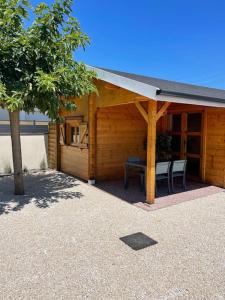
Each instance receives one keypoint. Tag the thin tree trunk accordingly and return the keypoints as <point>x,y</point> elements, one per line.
<point>16,151</point>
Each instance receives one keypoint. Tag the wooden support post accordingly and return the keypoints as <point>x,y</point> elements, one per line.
<point>92,137</point>
<point>141,110</point>
<point>162,110</point>
<point>151,148</point>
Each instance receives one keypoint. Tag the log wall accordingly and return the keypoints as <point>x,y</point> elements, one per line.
<point>121,132</point>
<point>215,147</point>
<point>52,146</point>
<point>74,161</point>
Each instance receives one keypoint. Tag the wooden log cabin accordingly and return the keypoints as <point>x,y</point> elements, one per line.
<point>95,140</point>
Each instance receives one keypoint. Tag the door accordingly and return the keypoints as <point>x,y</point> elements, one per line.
<point>186,132</point>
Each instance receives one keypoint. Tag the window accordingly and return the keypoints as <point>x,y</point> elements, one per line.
<point>194,122</point>
<point>75,135</point>
<point>176,143</point>
<point>176,123</point>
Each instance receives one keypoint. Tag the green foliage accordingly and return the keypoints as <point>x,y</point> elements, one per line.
<point>163,146</point>
<point>37,69</point>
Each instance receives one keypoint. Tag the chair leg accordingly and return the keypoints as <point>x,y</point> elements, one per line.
<point>142,183</point>
<point>184,183</point>
<point>168,185</point>
<point>156,188</point>
<point>172,184</point>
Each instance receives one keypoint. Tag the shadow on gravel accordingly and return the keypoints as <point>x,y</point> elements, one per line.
<point>42,189</point>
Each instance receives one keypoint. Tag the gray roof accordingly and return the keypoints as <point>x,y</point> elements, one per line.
<point>177,89</point>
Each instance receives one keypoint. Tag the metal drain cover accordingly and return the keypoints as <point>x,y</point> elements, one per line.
<point>138,241</point>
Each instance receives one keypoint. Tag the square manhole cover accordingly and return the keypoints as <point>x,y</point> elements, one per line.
<point>138,241</point>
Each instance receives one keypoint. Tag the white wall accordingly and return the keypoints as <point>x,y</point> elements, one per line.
<point>34,149</point>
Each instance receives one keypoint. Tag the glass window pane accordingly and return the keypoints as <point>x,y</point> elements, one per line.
<point>176,143</point>
<point>78,134</point>
<point>175,157</point>
<point>193,166</point>
<point>194,122</point>
<point>176,123</point>
<point>73,135</point>
<point>194,144</point>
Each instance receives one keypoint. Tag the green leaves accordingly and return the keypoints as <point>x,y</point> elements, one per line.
<point>12,101</point>
<point>42,7</point>
<point>36,63</point>
<point>45,82</point>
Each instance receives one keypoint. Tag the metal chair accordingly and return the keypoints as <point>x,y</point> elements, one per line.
<point>162,172</point>
<point>178,169</point>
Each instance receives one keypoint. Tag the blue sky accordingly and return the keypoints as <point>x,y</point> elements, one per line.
<point>181,40</point>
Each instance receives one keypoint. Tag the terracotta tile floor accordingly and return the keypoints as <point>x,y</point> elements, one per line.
<point>134,196</point>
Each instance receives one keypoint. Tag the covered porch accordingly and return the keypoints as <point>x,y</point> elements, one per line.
<point>134,196</point>
<point>132,130</point>
<point>125,120</point>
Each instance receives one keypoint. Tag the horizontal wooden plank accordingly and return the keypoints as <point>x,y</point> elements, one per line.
<point>121,132</point>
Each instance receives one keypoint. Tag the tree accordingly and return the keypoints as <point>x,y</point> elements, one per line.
<point>37,68</point>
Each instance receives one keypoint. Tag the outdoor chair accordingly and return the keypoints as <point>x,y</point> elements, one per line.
<point>162,172</point>
<point>178,169</point>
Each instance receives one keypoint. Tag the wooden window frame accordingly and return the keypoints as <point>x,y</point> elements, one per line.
<point>79,127</point>
<point>62,134</point>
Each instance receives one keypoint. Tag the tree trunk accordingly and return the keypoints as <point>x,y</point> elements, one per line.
<point>16,151</point>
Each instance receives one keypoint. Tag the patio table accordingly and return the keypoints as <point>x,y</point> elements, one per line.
<point>133,164</point>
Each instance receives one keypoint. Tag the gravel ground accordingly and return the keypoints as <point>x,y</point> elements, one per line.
<point>61,241</point>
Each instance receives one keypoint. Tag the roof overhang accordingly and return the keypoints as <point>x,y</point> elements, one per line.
<point>153,92</point>
<point>138,87</point>
<point>188,99</point>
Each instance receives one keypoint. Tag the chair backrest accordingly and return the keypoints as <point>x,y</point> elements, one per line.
<point>162,167</point>
<point>133,159</point>
<point>179,165</point>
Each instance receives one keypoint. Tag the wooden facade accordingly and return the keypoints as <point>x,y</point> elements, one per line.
<point>52,146</point>
<point>118,122</point>
<point>121,132</point>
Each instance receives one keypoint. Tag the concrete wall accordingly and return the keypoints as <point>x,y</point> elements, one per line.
<point>34,150</point>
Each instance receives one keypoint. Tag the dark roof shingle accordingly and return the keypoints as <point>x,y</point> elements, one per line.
<point>174,87</point>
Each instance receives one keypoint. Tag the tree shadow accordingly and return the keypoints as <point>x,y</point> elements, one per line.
<point>42,189</point>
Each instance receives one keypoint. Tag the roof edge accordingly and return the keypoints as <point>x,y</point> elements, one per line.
<point>188,96</point>
<point>132,85</point>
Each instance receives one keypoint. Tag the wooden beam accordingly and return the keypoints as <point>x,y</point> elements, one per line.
<point>141,98</point>
<point>141,110</point>
<point>92,136</point>
<point>110,86</point>
<point>162,110</point>
<point>151,148</point>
